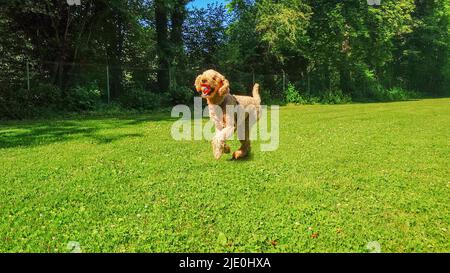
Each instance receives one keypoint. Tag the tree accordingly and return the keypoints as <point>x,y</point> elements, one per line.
<point>204,35</point>
<point>162,44</point>
<point>426,49</point>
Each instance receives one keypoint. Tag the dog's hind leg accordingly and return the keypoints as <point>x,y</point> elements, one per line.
<point>243,150</point>
<point>245,143</point>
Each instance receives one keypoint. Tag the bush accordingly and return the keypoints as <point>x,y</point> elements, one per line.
<point>83,98</point>
<point>270,97</point>
<point>140,99</point>
<point>292,95</point>
<point>329,97</point>
<point>19,103</point>
<point>44,95</point>
<point>395,94</point>
<point>181,95</point>
<point>335,97</point>
<point>109,108</point>
<point>12,104</point>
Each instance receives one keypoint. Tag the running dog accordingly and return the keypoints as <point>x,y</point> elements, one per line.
<point>228,112</point>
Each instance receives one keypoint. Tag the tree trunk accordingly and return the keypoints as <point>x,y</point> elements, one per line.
<point>117,69</point>
<point>162,46</point>
<point>176,39</point>
<point>178,16</point>
<point>345,79</point>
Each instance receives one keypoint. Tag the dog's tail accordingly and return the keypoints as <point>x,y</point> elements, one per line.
<point>255,94</point>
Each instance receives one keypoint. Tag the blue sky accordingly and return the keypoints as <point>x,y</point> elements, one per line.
<point>204,3</point>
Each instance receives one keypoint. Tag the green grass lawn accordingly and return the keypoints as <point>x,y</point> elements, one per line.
<point>343,176</point>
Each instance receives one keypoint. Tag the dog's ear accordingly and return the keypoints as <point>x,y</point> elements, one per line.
<point>197,83</point>
<point>224,85</point>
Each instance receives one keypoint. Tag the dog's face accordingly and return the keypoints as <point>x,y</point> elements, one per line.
<point>211,84</point>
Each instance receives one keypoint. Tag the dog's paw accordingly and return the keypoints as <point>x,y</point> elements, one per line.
<point>239,154</point>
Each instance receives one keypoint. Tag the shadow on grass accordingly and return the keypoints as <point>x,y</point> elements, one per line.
<point>43,132</point>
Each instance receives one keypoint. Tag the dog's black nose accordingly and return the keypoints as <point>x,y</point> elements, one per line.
<point>204,81</point>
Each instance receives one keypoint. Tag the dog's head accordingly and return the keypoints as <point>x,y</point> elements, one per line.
<point>211,84</point>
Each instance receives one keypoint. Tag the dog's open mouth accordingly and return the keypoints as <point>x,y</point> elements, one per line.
<point>206,90</point>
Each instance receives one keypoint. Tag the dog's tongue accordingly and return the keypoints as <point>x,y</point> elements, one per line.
<point>206,90</point>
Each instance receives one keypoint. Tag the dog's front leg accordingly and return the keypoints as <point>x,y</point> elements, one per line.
<point>215,114</point>
<point>223,135</point>
<point>218,142</point>
<point>227,132</point>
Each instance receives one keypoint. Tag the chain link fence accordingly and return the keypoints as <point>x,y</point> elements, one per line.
<point>116,80</point>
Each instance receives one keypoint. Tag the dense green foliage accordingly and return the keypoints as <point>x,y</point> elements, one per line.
<point>324,48</point>
<point>350,174</point>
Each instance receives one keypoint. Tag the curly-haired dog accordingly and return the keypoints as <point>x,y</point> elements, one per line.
<point>228,112</point>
